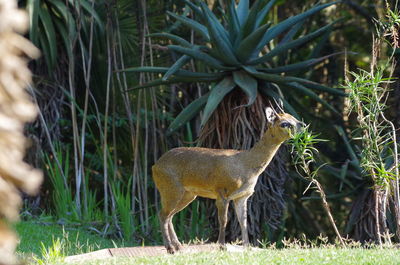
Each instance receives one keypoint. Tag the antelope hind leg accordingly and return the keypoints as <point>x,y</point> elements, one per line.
<point>164,223</point>
<point>170,195</point>
<point>185,200</point>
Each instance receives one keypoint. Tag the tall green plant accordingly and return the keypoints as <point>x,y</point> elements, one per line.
<point>378,155</point>
<point>63,192</point>
<point>123,212</point>
<point>369,93</point>
<point>367,96</point>
<point>303,152</point>
<point>63,200</point>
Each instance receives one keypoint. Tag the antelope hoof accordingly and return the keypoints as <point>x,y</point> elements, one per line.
<point>170,250</point>
<point>222,247</point>
<point>177,245</point>
<point>246,244</point>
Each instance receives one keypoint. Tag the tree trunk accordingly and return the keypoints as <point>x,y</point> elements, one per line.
<point>367,219</point>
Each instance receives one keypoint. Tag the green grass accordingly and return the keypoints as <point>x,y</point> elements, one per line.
<point>34,237</point>
<point>58,243</point>
<point>269,256</point>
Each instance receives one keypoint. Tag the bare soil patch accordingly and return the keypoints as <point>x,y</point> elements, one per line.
<point>148,251</point>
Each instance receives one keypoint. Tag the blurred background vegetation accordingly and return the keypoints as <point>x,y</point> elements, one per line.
<point>98,133</point>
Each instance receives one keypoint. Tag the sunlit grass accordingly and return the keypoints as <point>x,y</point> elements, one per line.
<point>50,244</point>
<point>269,256</point>
<point>52,241</point>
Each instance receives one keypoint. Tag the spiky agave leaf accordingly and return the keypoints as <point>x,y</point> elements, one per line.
<point>217,94</point>
<point>247,83</point>
<point>234,53</point>
<point>188,113</point>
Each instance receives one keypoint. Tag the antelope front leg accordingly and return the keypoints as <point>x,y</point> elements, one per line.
<point>222,206</point>
<point>241,213</point>
<point>245,191</point>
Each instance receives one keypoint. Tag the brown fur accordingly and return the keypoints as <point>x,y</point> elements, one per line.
<point>184,173</point>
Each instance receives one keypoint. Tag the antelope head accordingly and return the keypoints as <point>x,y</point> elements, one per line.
<point>282,125</point>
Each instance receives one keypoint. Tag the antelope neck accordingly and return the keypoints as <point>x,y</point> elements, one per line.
<point>261,154</point>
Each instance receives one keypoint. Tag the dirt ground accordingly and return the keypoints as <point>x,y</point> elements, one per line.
<point>147,251</point>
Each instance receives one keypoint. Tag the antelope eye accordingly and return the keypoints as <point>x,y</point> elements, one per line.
<point>286,125</point>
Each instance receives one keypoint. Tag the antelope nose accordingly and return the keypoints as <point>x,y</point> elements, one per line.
<point>300,126</point>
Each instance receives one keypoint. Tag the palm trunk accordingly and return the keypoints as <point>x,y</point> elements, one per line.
<point>367,220</point>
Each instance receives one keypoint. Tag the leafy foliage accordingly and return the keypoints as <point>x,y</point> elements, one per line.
<point>54,20</point>
<point>239,51</point>
<point>303,149</point>
<point>368,92</point>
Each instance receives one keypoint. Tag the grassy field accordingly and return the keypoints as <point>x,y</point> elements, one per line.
<point>38,240</point>
<point>48,244</point>
<point>270,256</point>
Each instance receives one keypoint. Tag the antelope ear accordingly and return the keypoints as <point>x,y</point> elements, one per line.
<point>270,114</point>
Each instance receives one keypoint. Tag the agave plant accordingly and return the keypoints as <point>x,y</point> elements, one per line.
<point>240,52</point>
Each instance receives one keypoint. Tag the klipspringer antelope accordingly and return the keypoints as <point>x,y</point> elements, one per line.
<point>184,173</point>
